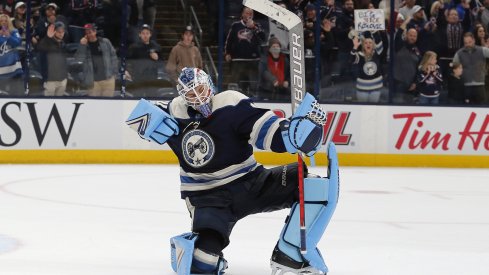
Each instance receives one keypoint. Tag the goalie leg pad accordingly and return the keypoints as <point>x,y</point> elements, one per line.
<point>321,197</point>
<point>152,122</point>
<point>185,258</point>
<point>182,250</point>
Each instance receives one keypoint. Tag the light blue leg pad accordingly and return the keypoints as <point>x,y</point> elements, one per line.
<point>320,199</point>
<point>182,250</point>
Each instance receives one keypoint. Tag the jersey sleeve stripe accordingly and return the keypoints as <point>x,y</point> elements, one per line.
<point>257,128</point>
<point>264,131</point>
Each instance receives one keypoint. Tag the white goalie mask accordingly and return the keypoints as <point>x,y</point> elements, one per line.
<point>196,88</point>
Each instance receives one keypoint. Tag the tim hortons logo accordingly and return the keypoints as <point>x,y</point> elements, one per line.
<point>334,127</point>
<point>414,136</point>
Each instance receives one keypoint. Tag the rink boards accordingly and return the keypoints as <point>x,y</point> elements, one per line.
<point>93,131</point>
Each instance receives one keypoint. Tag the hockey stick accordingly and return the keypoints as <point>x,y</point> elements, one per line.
<point>297,76</point>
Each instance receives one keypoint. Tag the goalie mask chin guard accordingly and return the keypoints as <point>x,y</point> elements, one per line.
<point>196,88</point>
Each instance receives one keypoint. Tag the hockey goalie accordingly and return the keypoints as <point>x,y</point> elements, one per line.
<point>213,136</point>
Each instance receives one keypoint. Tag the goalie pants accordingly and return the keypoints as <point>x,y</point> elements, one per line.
<point>215,212</point>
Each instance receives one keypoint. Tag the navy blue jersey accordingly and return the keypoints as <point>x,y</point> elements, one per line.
<point>217,150</point>
<point>429,84</point>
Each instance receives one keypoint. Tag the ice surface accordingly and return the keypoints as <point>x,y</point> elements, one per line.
<point>117,220</point>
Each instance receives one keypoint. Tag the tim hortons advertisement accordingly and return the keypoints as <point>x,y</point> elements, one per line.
<point>465,131</point>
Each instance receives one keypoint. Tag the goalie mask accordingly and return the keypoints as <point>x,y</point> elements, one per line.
<point>196,88</point>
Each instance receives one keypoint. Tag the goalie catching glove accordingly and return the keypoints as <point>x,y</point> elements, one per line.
<point>304,131</point>
<point>152,122</point>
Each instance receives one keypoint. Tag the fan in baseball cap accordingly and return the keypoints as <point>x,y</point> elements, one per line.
<point>52,5</point>
<point>145,27</point>
<point>188,29</point>
<point>416,8</point>
<point>19,4</point>
<point>59,25</point>
<point>90,26</point>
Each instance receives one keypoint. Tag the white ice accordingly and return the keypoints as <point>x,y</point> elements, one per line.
<point>118,219</point>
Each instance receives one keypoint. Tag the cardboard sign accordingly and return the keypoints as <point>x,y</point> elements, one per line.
<point>369,20</point>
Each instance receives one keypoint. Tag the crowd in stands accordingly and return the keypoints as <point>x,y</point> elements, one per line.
<point>74,48</point>
<point>438,45</point>
<point>440,50</point>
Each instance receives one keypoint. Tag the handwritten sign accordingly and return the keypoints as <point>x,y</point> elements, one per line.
<point>369,20</point>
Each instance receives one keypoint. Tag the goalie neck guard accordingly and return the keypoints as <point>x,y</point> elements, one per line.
<point>196,88</point>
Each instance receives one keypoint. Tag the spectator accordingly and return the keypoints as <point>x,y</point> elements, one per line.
<point>400,29</point>
<point>100,64</point>
<point>429,80</point>
<point>329,10</point>
<point>417,19</point>
<point>10,66</point>
<point>57,68</point>
<point>426,29</point>
<point>328,56</point>
<point>368,68</point>
<point>482,39</point>
<point>143,57</point>
<point>242,48</point>
<point>456,90</point>
<point>480,36</point>
<point>40,30</point>
<point>297,7</point>
<point>278,30</point>
<point>450,35</point>
<point>310,18</point>
<point>183,54</point>
<point>463,9</point>
<point>409,9</point>
<point>437,10</point>
<point>19,19</point>
<point>50,17</point>
<point>406,62</point>
<point>473,60</point>
<point>344,24</point>
<point>482,15</point>
<point>7,7</point>
<point>274,72</point>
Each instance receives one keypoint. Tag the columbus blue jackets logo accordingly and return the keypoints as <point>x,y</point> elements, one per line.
<point>197,147</point>
<point>370,68</point>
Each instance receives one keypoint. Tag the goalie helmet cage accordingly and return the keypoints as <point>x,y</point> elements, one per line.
<point>297,78</point>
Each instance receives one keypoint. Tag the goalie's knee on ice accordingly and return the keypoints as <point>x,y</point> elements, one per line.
<point>186,258</point>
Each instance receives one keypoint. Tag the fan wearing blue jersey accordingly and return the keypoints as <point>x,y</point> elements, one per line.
<point>213,136</point>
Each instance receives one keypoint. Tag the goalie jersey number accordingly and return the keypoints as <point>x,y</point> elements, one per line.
<point>197,147</point>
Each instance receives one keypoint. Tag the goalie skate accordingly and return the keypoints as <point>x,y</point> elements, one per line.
<point>278,269</point>
<point>282,264</point>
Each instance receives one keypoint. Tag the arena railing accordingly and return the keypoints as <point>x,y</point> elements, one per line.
<point>194,21</point>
